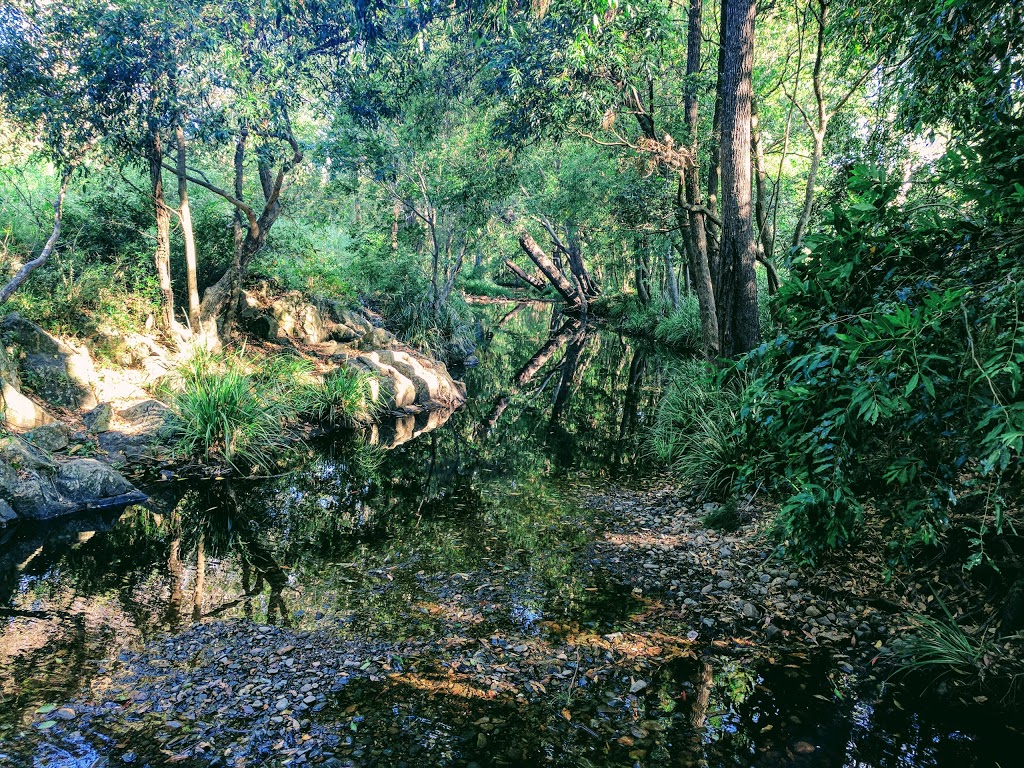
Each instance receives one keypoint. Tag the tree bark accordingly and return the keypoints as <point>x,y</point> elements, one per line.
<point>30,266</point>
<point>565,289</point>
<point>692,222</point>
<point>715,153</point>
<point>185,213</point>
<point>531,280</point>
<point>765,233</point>
<point>162,214</point>
<point>737,307</point>
<point>671,282</point>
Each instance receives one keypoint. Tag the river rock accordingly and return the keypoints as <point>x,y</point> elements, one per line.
<point>434,385</point>
<point>7,513</point>
<point>406,380</point>
<point>50,437</point>
<point>378,338</point>
<point>99,418</point>
<point>35,486</point>
<point>56,371</point>
<point>19,412</point>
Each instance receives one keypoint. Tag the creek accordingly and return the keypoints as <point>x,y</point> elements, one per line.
<point>444,566</point>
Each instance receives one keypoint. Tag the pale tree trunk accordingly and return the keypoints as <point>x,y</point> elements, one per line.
<point>671,282</point>
<point>30,266</point>
<point>565,289</point>
<point>185,213</point>
<point>812,175</point>
<point>737,309</point>
<point>823,112</point>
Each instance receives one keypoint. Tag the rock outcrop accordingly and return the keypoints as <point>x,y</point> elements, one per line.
<point>19,412</point>
<point>52,368</point>
<point>33,485</point>
<point>404,380</point>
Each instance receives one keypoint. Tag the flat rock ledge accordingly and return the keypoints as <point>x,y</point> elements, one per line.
<point>36,486</point>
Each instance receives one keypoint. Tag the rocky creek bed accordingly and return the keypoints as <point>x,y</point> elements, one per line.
<point>488,591</point>
<point>680,630</point>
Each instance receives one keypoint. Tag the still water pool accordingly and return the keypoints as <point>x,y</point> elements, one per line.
<point>424,595</point>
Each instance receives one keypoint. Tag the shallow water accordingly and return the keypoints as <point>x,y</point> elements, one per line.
<point>468,528</point>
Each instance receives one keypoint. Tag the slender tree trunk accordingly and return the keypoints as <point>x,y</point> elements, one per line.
<point>162,213</point>
<point>737,308</point>
<point>715,152</point>
<point>766,237</point>
<point>812,175</point>
<point>670,277</point>
<point>692,222</point>
<point>30,266</point>
<point>534,281</point>
<point>185,213</point>
<point>396,213</point>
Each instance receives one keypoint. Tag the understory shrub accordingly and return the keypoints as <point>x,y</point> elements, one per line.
<point>697,430</point>
<point>896,385</point>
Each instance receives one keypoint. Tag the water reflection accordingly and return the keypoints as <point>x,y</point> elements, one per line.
<point>437,522</point>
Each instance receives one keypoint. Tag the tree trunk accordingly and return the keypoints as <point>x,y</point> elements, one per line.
<point>737,308</point>
<point>162,214</point>
<point>766,235</point>
<point>692,222</point>
<point>185,213</point>
<point>812,175</point>
<point>671,282</point>
<point>30,266</point>
<point>551,272</point>
<point>531,280</point>
<point>715,153</point>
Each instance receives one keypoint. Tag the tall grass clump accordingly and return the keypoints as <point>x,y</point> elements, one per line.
<point>942,647</point>
<point>697,430</point>
<point>225,409</point>
<point>681,329</point>
<point>341,398</point>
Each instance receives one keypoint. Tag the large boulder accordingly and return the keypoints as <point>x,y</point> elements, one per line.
<point>134,436</point>
<point>34,486</point>
<point>19,412</point>
<point>407,381</point>
<point>52,368</point>
<point>434,385</point>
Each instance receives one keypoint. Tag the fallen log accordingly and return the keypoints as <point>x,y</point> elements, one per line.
<point>532,280</point>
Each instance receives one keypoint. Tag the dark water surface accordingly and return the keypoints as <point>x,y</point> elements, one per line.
<point>467,527</point>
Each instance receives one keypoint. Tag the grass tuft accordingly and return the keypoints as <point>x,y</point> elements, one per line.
<point>228,408</point>
<point>341,398</point>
